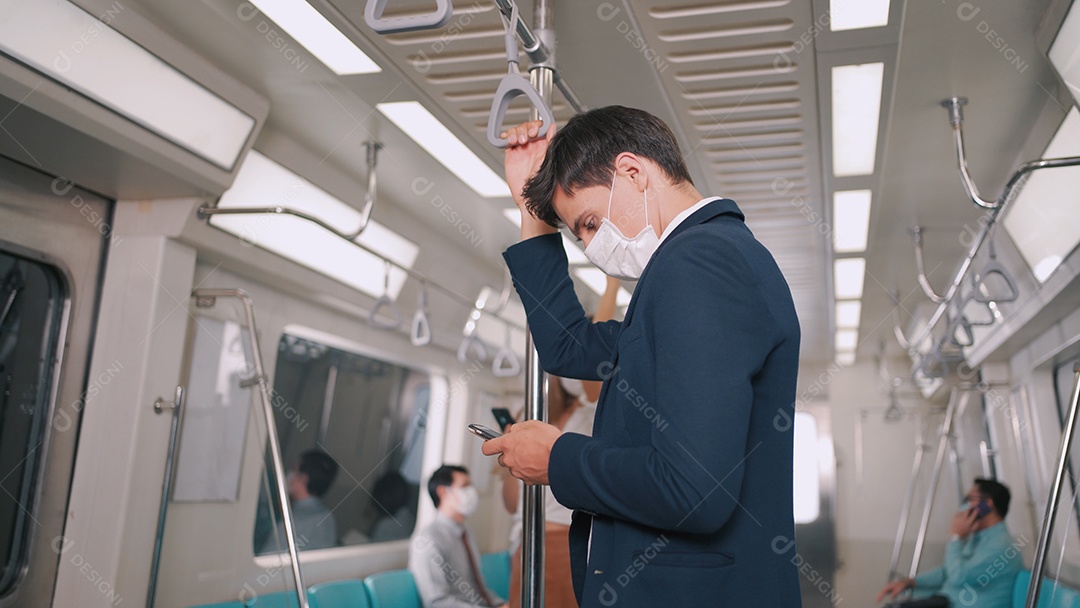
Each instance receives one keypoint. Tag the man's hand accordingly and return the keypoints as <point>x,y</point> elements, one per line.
<point>964,523</point>
<point>525,449</point>
<point>894,588</point>
<point>522,160</point>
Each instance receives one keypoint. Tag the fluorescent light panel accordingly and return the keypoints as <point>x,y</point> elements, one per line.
<point>856,107</point>
<point>857,14</point>
<point>123,76</point>
<point>262,182</point>
<point>846,339</point>
<point>851,220</point>
<point>309,28</point>
<point>1065,51</point>
<point>845,358</point>
<point>848,274</point>
<point>426,130</point>
<point>1042,218</point>
<point>848,314</point>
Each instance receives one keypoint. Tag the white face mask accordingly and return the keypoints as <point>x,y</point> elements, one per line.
<point>618,256</point>
<point>467,500</point>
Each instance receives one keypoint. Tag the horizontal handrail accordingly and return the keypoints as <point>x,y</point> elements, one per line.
<point>206,211</point>
<point>1012,187</point>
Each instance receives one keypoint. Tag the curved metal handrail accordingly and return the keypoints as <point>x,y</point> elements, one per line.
<point>206,211</point>
<point>1012,187</point>
<point>920,267</point>
<point>271,429</point>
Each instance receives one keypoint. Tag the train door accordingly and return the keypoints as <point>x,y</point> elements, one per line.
<point>53,239</point>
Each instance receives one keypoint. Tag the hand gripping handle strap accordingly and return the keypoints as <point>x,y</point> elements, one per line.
<point>513,85</point>
<point>444,10</point>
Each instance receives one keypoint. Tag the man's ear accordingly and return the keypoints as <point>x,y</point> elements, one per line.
<point>630,165</point>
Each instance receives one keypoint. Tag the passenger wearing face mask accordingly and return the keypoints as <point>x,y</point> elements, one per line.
<point>685,486</point>
<point>981,558</point>
<point>443,558</point>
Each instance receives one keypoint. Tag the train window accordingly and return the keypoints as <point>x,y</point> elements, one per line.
<point>1040,220</point>
<point>31,305</point>
<point>807,484</point>
<point>365,418</point>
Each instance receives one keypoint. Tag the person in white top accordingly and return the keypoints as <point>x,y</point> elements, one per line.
<point>571,407</point>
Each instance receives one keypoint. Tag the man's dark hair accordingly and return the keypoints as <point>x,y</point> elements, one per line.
<point>320,469</point>
<point>391,492</point>
<point>582,154</point>
<point>996,492</point>
<point>443,476</point>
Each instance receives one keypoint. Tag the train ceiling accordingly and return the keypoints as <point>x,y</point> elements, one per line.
<point>747,86</point>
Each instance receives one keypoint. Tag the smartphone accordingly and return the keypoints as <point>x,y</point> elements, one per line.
<point>982,509</point>
<point>503,417</point>
<point>483,432</point>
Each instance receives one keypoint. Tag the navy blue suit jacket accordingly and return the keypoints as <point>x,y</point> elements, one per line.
<point>687,480</point>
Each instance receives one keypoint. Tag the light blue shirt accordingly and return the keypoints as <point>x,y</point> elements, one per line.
<point>313,523</point>
<point>978,571</point>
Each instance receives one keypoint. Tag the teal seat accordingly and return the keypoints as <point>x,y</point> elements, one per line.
<point>495,568</point>
<point>348,593</point>
<point>1051,594</point>
<point>393,589</point>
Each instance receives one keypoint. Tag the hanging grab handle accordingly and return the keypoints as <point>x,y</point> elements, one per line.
<point>993,267</point>
<point>421,326</point>
<point>444,10</point>
<point>471,344</point>
<point>514,84</point>
<point>385,302</point>
<point>506,363</point>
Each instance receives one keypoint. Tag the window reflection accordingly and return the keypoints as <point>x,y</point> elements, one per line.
<point>364,416</point>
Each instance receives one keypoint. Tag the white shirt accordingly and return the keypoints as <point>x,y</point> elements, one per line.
<point>685,214</point>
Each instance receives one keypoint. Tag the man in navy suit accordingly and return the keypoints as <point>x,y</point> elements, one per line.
<point>683,494</point>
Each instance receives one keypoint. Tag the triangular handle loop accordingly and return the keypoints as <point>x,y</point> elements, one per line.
<point>506,363</point>
<point>994,267</point>
<point>513,85</point>
<point>421,326</point>
<point>471,344</point>
<point>444,10</point>
<point>394,314</point>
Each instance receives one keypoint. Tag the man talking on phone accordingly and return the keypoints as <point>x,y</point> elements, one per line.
<point>686,481</point>
<point>981,559</point>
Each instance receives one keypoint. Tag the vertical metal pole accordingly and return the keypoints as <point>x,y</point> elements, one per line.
<point>166,490</point>
<point>532,547</point>
<point>909,497</point>
<point>1043,545</point>
<point>943,444</point>
<point>271,429</point>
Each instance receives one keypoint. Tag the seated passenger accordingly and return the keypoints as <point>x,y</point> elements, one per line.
<point>313,523</point>
<point>396,518</point>
<point>443,558</point>
<point>981,559</point>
